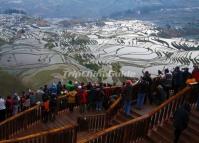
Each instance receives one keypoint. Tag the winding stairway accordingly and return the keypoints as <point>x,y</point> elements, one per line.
<point>152,125</point>
<point>165,133</point>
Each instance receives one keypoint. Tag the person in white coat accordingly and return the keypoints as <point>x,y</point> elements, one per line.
<point>2,109</point>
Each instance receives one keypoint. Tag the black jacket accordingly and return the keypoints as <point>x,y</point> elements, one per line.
<point>181,118</point>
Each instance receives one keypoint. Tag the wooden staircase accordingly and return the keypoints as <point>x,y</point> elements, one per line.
<point>165,133</point>
<point>110,127</point>
<point>120,117</point>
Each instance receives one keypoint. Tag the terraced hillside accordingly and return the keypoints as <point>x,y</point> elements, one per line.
<point>31,48</point>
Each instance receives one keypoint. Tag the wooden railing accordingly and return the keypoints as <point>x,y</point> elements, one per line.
<point>66,134</point>
<point>100,121</point>
<point>19,122</point>
<point>113,110</point>
<point>92,123</point>
<point>25,119</point>
<point>130,131</point>
<point>137,129</point>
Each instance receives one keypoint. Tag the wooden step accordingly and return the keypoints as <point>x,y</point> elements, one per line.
<point>157,138</point>
<point>186,136</point>
<point>145,140</point>
<point>193,129</point>
<point>167,132</point>
<point>195,114</point>
<point>84,135</point>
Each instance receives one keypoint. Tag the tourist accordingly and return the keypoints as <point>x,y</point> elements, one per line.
<point>185,75</point>
<point>89,86</point>
<point>70,86</point>
<point>122,91</point>
<point>141,92</point>
<point>167,82</point>
<point>45,109</point>
<point>59,88</point>
<point>147,78</point>
<point>39,94</point>
<point>76,84</point>
<point>160,74</point>
<point>32,99</point>
<point>181,119</point>
<point>46,90</point>
<point>16,103</point>
<point>91,97</point>
<point>26,104</point>
<point>53,107</point>
<point>22,101</point>
<point>106,99</point>
<point>2,109</point>
<point>83,96</point>
<point>127,97</point>
<point>161,93</point>
<point>195,73</point>
<point>71,95</point>
<point>53,89</point>
<point>9,106</point>
<point>99,98</point>
<point>177,80</point>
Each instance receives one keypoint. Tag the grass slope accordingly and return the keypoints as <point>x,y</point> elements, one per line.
<point>9,84</point>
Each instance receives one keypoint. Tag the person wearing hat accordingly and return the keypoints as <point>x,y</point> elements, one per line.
<point>70,86</point>
<point>2,109</point>
<point>71,95</point>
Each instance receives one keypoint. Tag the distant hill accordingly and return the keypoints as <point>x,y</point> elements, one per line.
<point>13,11</point>
<point>91,8</point>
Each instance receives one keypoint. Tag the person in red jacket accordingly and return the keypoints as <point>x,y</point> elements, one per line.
<point>83,96</point>
<point>9,106</point>
<point>195,73</point>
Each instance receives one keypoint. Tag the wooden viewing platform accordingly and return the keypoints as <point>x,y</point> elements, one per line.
<point>110,126</point>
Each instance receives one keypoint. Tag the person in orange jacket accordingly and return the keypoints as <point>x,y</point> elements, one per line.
<point>71,95</point>
<point>45,109</point>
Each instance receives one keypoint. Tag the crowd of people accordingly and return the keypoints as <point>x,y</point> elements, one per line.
<point>157,90</point>
<point>87,97</point>
<point>92,97</point>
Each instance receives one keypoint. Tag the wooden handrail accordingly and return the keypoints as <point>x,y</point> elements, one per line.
<point>171,99</point>
<point>18,115</point>
<point>24,112</point>
<point>112,107</point>
<point>32,108</point>
<point>98,121</point>
<point>101,133</point>
<point>44,134</point>
<point>23,120</point>
<point>148,120</point>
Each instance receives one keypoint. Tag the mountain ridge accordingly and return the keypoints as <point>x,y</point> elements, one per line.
<point>89,8</point>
